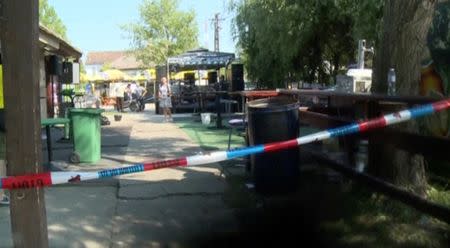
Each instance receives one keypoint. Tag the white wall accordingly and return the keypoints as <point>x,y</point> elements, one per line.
<point>92,70</point>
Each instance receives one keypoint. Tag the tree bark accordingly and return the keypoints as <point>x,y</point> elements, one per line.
<point>403,47</point>
<point>20,50</point>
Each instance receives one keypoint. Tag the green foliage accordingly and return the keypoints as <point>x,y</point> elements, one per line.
<point>106,66</point>
<point>441,196</point>
<point>439,42</point>
<point>162,31</point>
<point>50,19</point>
<point>286,40</point>
<point>82,67</point>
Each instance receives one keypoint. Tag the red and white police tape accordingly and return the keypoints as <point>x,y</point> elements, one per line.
<point>53,178</point>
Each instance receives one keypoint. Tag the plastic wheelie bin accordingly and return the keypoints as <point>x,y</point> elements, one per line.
<point>86,135</point>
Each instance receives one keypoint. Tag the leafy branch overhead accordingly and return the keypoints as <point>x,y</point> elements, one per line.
<point>162,31</point>
<point>50,19</point>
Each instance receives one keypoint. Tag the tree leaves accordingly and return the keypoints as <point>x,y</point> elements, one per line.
<point>162,31</point>
<point>289,40</point>
<point>50,19</point>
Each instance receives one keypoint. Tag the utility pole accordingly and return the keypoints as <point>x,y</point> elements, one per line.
<point>206,34</point>
<point>20,50</point>
<point>217,28</point>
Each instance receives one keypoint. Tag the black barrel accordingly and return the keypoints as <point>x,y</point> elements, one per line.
<point>271,120</point>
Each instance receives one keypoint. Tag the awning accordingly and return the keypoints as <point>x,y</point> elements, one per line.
<point>199,59</point>
<point>114,75</point>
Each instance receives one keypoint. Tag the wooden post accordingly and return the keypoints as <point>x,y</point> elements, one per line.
<point>20,37</point>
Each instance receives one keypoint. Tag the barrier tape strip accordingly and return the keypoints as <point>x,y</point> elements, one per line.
<point>53,178</point>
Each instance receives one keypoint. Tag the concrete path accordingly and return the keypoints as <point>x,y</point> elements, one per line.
<point>171,206</point>
<point>163,208</point>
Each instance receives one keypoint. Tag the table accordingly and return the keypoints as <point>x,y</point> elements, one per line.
<point>48,123</point>
<point>249,95</point>
<point>228,104</point>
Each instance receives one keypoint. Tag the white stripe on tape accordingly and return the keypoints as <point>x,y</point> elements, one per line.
<point>397,117</point>
<point>206,158</point>
<point>72,176</point>
<point>313,137</point>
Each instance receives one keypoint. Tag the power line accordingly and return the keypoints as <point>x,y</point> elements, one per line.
<point>217,29</point>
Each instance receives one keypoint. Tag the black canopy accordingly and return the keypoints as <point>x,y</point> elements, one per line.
<point>199,59</point>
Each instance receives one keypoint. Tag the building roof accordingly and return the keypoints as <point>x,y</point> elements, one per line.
<point>200,58</point>
<point>95,58</point>
<point>121,60</point>
<point>127,61</point>
<point>55,43</point>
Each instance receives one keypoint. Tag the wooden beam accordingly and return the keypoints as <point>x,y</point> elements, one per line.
<point>436,210</point>
<point>415,143</point>
<point>360,96</point>
<point>320,120</point>
<point>20,46</point>
<point>428,146</point>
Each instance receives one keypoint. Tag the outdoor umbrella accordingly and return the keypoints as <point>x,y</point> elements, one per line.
<point>114,75</point>
<point>95,78</point>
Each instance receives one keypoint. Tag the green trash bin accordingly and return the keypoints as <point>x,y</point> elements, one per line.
<point>86,135</point>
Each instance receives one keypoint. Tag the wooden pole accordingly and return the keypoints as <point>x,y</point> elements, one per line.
<point>20,47</point>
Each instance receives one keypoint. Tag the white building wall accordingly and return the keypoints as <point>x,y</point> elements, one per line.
<point>92,70</point>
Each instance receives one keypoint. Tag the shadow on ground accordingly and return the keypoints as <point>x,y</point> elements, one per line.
<point>137,213</point>
<point>114,143</point>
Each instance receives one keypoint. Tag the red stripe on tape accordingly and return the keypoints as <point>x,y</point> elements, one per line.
<point>280,145</point>
<point>441,105</point>
<point>27,181</point>
<point>372,124</point>
<point>165,164</point>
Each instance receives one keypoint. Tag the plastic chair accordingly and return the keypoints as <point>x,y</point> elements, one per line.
<point>237,124</point>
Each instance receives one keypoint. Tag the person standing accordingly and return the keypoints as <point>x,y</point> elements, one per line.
<point>165,94</point>
<point>120,91</point>
<point>133,88</point>
<point>140,94</point>
<point>127,93</point>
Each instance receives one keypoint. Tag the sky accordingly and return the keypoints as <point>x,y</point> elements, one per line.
<point>94,25</point>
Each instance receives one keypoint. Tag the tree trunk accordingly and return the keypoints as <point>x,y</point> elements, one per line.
<point>403,47</point>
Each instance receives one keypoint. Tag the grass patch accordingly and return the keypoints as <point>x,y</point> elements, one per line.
<point>237,196</point>
<point>372,220</point>
<point>439,195</point>
<point>342,215</point>
<point>209,137</point>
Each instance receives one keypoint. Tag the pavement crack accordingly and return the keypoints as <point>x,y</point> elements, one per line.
<point>203,194</point>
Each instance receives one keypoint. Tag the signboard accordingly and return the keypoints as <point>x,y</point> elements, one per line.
<point>76,73</point>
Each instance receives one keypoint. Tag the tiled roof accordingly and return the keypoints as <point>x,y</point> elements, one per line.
<point>120,60</point>
<point>127,61</point>
<point>94,58</point>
